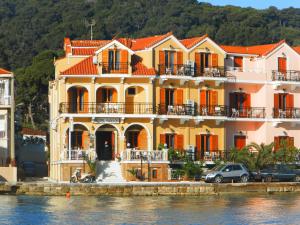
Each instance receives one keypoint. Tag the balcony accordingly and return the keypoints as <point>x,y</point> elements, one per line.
<point>216,110</point>
<point>287,113</point>
<point>289,75</point>
<point>210,72</point>
<point>176,69</point>
<point>77,154</point>
<point>214,155</point>
<point>138,155</point>
<point>108,108</point>
<point>184,109</point>
<point>247,112</point>
<point>114,68</point>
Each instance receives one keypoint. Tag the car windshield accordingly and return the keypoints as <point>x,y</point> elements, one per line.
<point>217,168</point>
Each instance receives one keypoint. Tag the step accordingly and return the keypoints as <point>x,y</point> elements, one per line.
<point>109,172</point>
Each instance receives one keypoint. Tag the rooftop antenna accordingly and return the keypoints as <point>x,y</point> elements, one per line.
<point>90,23</point>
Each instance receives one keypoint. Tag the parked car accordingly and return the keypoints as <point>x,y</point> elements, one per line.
<point>278,172</point>
<point>227,172</point>
<point>29,168</point>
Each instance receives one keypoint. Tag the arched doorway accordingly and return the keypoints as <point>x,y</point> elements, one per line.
<point>78,98</point>
<point>136,137</point>
<point>106,142</point>
<point>79,138</point>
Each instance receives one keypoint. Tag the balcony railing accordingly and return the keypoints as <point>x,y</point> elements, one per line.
<point>287,113</point>
<point>119,68</point>
<point>184,109</point>
<point>176,69</point>
<point>288,75</point>
<point>214,110</point>
<point>138,155</point>
<point>210,72</point>
<point>108,108</point>
<point>77,154</point>
<point>247,112</point>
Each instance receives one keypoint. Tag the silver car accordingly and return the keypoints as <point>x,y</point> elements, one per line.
<point>227,172</point>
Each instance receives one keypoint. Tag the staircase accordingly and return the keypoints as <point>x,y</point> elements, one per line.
<point>109,172</point>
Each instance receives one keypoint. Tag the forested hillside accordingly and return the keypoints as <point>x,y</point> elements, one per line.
<point>30,27</point>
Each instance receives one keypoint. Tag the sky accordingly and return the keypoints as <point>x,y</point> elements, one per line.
<point>259,4</point>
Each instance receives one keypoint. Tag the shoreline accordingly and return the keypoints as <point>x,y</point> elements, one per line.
<point>145,189</point>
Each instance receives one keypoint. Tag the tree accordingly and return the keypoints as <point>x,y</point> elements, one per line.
<point>286,153</point>
<point>261,155</point>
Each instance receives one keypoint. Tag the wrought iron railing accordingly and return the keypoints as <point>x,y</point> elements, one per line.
<point>176,69</point>
<point>288,75</point>
<point>247,112</point>
<point>213,110</point>
<point>110,107</point>
<point>287,113</point>
<point>182,109</point>
<point>114,67</point>
<point>210,71</point>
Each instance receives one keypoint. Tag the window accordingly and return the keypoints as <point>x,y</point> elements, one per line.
<point>170,140</point>
<point>131,91</point>
<point>227,169</point>
<point>169,58</point>
<point>132,138</point>
<point>281,141</point>
<point>238,61</point>
<point>154,173</point>
<point>169,96</point>
<point>239,141</point>
<point>2,126</point>
<point>114,59</point>
<point>107,95</point>
<point>236,167</point>
<point>76,139</point>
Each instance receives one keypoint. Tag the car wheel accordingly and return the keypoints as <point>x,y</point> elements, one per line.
<point>218,179</point>
<point>244,179</point>
<point>268,178</point>
<point>297,179</point>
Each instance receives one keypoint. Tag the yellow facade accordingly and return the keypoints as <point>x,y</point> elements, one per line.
<point>127,110</point>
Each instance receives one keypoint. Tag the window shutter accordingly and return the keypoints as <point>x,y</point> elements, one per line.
<point>203,98</point>
<point>99,96</point>
<point>179,97</point>
<point>232,102</point>
<point>214,98</point>
<point>178,141</point>
<point>282,64</point>
<point>124,56</point>
<point>179,58</point>
<point>214,60</point>
<point>163,139</point>
<point>239,142</point>
<point>247,100</point>
<point>290,101</point>
<point>276,143</point>
<point>163,100</point>
<point>114,96</point>
<point>85,100</point>
<point>142,139</point>
<point>213,143</point>
<point>85,140</point>
<point>198,147</point>
<point>105,56</point>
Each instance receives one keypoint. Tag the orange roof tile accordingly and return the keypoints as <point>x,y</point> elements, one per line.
<point>3,71</point>
<point>85,67</point>
<point>191,42</point>
<point>147,42</point>
<point>30,131</point>
<point>297,49</point>
<point>83,51</point>
<point>253,50</point>
<point>89,43</point>
<point>140,69</point>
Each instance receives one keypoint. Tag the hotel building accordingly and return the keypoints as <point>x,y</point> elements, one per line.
<point>125,102</point>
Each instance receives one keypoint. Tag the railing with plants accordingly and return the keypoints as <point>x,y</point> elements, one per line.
<point>77,154</point>
<point>137,155</point>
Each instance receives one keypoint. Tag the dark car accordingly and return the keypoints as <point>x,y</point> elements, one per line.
<point>277,172</point>
<point>227,172</point>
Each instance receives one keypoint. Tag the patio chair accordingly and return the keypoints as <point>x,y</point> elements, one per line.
<point>235,113</point>
<point>282,113</point>
<point>218,111</point>
<point>168,71</point>
<point>181,71</point>
<point>170,109</point>
<point>204,111</point>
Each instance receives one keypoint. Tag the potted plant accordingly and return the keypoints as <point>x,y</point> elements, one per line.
<point>133,173</point>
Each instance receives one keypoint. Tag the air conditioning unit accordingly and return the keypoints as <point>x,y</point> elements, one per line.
<point>95,60</point>
<point>191,151</point>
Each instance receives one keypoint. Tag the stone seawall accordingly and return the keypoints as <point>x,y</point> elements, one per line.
<point>145,189</point>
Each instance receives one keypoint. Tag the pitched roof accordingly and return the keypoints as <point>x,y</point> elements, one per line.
<point>86,67</point>
<point>191,42</point>
<point>260,50</point>
<point>297,49</point>
<point>3,71</point>
<point>83,51</point>
<point>140,69</point>
<point>147,42</point>
<point>89,43</point>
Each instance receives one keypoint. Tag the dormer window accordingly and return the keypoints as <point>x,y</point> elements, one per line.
<point>114,59</point>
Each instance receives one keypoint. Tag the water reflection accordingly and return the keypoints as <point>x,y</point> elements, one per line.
<point>228,209</point>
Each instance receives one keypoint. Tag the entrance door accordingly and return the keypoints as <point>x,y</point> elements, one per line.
<point>105,145</point>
